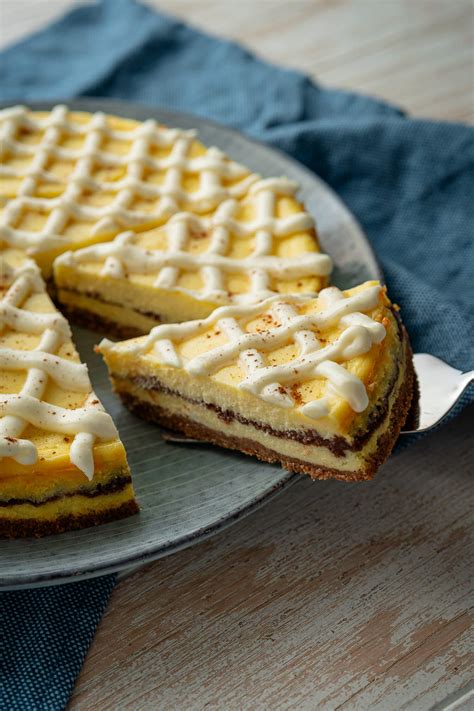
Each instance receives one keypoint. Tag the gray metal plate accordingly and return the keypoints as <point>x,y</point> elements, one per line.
<point>186,492</point>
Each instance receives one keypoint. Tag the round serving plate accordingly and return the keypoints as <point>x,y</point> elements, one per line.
<point>187,492</point>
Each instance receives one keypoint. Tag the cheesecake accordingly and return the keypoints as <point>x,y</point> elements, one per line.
<point>321,385</point>
<point>243,251</point>
<point>62,464</point>
<point>69,179</point>
<point>214,279</point>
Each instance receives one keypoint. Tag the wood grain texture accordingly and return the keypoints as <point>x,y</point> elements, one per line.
<point>335,595</point>
<point>415,53</point>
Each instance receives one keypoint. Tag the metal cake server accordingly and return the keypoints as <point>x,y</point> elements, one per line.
<point>440,387</point>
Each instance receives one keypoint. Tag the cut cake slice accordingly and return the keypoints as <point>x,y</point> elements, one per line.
<point>242,252</point>
<point>320,385</point>
<point>62,464</point>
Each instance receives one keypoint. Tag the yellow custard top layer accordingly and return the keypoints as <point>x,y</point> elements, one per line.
<point>49,416</point>
<point>68,177</point>
<point>244,250</point>
<point>67,137</point>
<point>315,362</point>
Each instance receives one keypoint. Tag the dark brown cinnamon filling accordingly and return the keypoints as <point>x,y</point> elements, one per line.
<point>337,445</point>
<point>98,297</point>
<point>154,413</point>
<point>117,484</point>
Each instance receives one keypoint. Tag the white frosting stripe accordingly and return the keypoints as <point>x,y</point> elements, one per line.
<point>269,382</point>
<point>279,335</point>
<point>9,275</point>
<point>252,362</point>
<point>21,450</point>
<point>123,256</point>
<point>43,364</point>
<point>31,322</point>
<point>59,419</point>
<point>219,177</point>
<point>352,342</point>
<point>346,385</point>
<point>81,453</point>
<point>305,339</point>
<point>142,261</point>
<point>58,369</point>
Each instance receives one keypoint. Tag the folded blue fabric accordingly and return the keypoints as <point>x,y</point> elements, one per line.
<point>409,182</point>
<point>45,635</point>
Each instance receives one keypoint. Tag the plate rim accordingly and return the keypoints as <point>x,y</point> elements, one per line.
<point>121,108</point>
<point>135,562</point>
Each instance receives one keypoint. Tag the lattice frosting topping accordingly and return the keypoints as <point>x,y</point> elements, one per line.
<point>123,256</point>
<point>270,382</point>
<point>17,411</point>
<point>212,168</point>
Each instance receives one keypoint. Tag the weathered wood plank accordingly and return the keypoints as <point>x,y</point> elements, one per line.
<point>334,595</point>
<point>415,54</point>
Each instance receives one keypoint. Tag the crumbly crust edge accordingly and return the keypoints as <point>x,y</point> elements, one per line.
<point>32,528</point>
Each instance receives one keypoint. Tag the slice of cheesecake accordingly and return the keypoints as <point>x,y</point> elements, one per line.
<point>69,179</point>
<point>62,464</point>
<point>243,251</point>
<point>320,385</point>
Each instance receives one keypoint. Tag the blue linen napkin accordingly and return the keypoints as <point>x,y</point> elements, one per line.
<point>409,182</point>
<point>44,637</point>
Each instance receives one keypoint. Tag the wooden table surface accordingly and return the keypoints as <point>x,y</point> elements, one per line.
<point>334,595</point>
